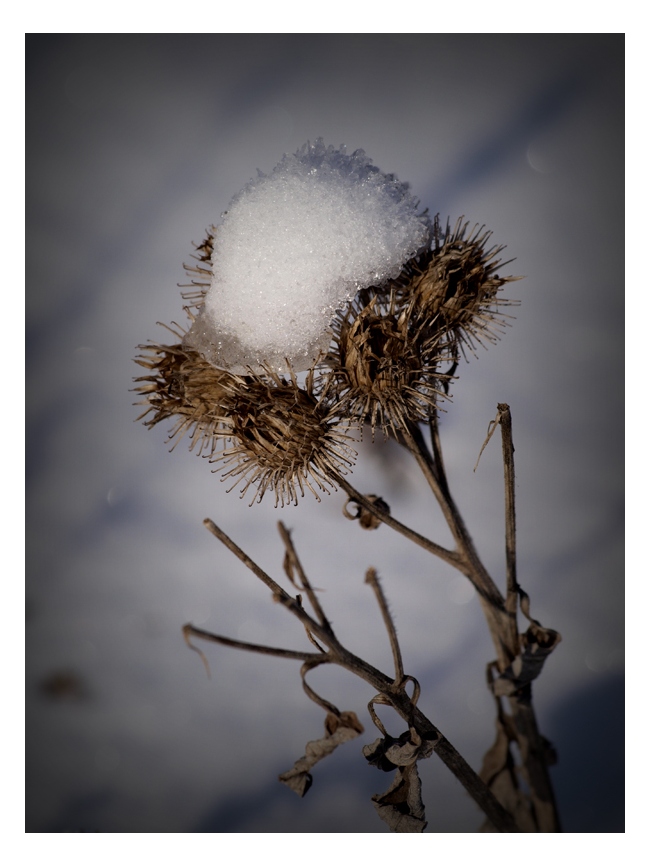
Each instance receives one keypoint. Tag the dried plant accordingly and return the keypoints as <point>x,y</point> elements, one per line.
<point>392,353</point>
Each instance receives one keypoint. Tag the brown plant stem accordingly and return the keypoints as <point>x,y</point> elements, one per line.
<point>190,631</point>
<point>292,561</point>
<point>393,691</point>
<point>533,746</point>
<point>470,564</point>
<point>373,580</point>
<point>450,557</point>
<point>512,588</point>
<point>501,615</point>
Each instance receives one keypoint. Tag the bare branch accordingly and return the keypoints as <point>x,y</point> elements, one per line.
<point>189,630</point>
<point>450,557</point>
<point>393,693</point>
<point>467,560</point>
<point>292,561</point>
<point>245,559</point>
<point>373,580</point>
<point>279,595</point>
<point>505,421</point>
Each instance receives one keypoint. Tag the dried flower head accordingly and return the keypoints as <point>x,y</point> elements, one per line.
<point>382,368</point>
<point>182,385</point>
<point>454,287</point>
<point>283,439</point>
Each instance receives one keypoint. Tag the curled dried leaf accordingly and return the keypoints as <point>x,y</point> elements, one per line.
<point>537,643</point>
<point>400,806</point>
<point>499,773</point>
<point>388,753</point>
<point>339,729</point>
<point>365,518</point>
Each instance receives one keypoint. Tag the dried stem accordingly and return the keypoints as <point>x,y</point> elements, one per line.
<point>373,580</point>
<point>512,594</point>
<point>195,632</point>
<point>292,561</point>
<point>471,565</point>
<point>533,746</point>
<point>465,559</point>
<point>500,614</point>
<point>448,556</point>
<point>392,690</point>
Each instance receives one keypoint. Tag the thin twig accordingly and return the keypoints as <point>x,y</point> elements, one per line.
<point>512,589</point>
<point>279,595</point>
<point>500,613</point>
<point>294,561</point>
<point>394,692</point>
<point>190,630</point>
<point>243,556</point>
<point>450,557</point>
<point>436,450</point>
<point>373,580</point>
<point>468,561</point>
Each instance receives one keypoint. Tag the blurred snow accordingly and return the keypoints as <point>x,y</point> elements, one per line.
<point>135,143</point>
<point>293,247</point>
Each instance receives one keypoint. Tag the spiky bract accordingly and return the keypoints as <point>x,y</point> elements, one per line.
<point>200,275</point>
<point>382,369</point>
<point>454,287</point>
<point>182,384</point>
<point>283,439</point>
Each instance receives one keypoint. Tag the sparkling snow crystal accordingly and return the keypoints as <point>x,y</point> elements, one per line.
<point>295,246</point>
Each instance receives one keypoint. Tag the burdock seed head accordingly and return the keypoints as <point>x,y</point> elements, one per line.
<point>267,431</point>
<point>283,439</point>
<point>182,385</point>
<point>271,433</point>
<point>382,369</point>
<point>454,288</point>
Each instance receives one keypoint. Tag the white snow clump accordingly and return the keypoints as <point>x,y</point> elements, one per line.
<point>295,246</point>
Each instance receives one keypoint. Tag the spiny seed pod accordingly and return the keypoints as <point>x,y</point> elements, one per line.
<point>182,384</point>
<point>283,439</point>
<point>454,287</point>
<point>380,369</point>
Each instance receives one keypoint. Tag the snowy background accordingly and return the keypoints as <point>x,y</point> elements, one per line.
<point>135,145</point>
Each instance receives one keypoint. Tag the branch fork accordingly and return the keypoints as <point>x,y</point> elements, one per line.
<point>512,799</point>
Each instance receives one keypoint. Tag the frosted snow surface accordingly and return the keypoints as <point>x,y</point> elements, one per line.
<point>294,246</point>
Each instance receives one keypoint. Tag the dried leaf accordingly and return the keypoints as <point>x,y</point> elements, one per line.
<point>498,773</point>
<point>537,644</point>
<point>339,729</point>
<point>388,753</point>
<point>400,806</point>
<point>366,519</point>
